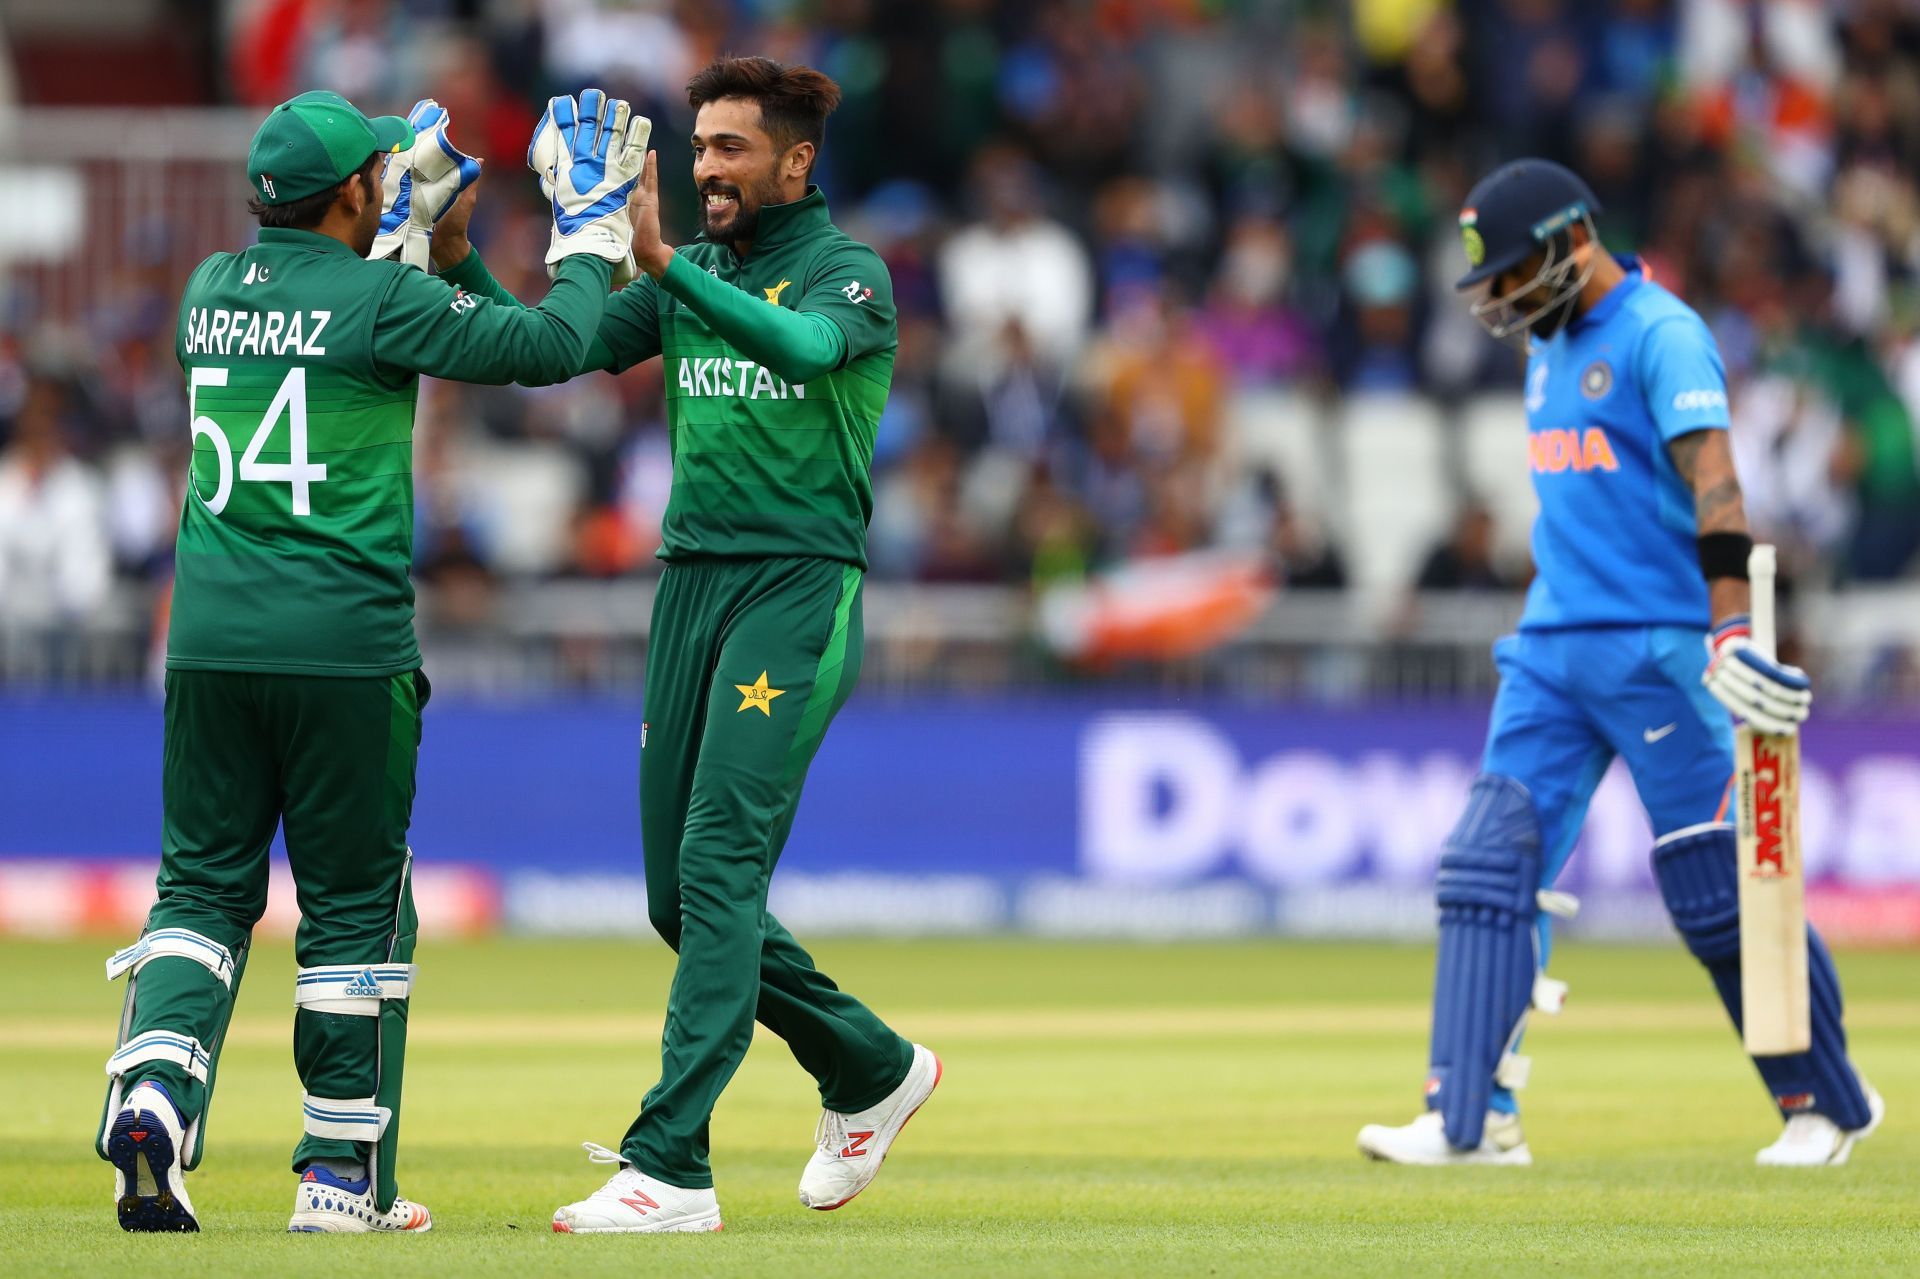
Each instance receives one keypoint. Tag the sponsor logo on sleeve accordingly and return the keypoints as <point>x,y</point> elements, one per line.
<point>857,293</point>
<point>1699,401</point>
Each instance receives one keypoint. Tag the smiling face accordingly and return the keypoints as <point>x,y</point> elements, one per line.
<point>738,168</point>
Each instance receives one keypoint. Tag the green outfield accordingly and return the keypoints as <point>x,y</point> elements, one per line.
<point>1110,1110</point>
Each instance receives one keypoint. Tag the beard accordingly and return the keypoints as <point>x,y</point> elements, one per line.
<point>367,229</point>
<point>737,223</point>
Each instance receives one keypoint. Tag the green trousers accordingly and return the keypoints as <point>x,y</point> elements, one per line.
<point>332,761</point>
<point>747,663</point>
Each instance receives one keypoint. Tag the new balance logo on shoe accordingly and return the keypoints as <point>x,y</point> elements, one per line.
<point>363,987</point>
<point>639,1201</point>
<point>856,1145</point>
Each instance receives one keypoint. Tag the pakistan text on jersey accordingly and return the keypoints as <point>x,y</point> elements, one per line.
<point>217,331</point>
<point>744,379</point>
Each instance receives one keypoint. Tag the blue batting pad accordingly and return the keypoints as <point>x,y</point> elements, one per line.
<point>1698,870</point>
<point>1489,878</point>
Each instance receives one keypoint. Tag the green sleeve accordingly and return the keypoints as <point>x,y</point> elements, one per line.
<point>849,285</point>
<point>629,332</point>
<point>428,326</point>
<point>180,312</point>
<point>797,345</point>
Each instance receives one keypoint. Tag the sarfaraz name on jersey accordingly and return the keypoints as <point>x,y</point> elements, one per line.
<point>218,331</point>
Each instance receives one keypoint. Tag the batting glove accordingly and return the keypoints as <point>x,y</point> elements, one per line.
<point>420,185</point>
<point>589,156</point>
<point>1770,696</point>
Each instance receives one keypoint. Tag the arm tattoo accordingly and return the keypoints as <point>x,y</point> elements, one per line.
<point>1685,453</point>
<point>1705,461</point>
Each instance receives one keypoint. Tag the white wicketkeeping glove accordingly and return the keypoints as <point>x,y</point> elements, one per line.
<point>589,156</point>
<point>420,185</point>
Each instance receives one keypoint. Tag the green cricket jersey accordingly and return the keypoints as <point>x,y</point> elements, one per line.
<point>772,415</point>
<point>302,364</point>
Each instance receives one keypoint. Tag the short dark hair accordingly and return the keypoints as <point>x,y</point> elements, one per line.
<point>309,211</point>
<point>794,101</point>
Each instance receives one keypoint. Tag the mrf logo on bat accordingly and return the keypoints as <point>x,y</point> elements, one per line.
<point>1765,806</point>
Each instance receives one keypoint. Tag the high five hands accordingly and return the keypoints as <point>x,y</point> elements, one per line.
<point>589,156</point>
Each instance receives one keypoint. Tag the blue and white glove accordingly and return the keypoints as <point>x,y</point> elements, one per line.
<point>542,155</point>
<point>589,156</point>
<point>420,185</point>
<point>1770,696</point>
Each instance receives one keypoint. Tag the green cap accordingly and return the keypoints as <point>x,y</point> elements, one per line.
<point>315,141</point>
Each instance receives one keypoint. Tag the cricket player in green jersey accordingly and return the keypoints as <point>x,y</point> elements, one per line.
<point>293,677</point>
<point>778,334</point>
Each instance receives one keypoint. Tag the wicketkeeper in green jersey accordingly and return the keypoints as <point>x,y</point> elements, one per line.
<point>778,335</point>
<point>293,678</point>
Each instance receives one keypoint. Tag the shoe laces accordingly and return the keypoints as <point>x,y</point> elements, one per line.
<point>830,1134</point>
<point>599,1154</point>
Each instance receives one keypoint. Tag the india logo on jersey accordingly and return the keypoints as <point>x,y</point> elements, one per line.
<point>1554,451</point>
<point>1597,380</point>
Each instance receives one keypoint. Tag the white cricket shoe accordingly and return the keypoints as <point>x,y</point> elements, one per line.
<point>851,1148</point>
<point>1424,1141</point>
<point>633,1203</point>
<point>146,1144</point>
<point>326,1204</point>
<point>1815,1141</point>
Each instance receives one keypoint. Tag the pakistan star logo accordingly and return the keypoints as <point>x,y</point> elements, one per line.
<point>773,294</point>
<point>758,696</point>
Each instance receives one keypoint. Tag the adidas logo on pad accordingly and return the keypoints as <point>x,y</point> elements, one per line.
<point>364,986</point>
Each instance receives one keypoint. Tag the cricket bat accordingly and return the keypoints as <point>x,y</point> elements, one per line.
<point>1773,882</point>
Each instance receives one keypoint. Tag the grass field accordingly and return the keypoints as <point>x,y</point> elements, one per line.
<point>1107,1110</point>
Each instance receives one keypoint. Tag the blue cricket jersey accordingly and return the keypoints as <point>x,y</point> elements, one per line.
<point>1614,542</point>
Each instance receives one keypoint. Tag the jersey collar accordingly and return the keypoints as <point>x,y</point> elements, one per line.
<point>1616,297</point>
<point>305,239</point>
<point>784,223</point>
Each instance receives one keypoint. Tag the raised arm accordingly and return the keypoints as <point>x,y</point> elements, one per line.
<point>629,330</point>
<point>821,333</point>
<point>429,326</point>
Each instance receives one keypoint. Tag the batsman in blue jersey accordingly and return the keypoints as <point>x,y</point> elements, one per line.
<point>1634,643</point>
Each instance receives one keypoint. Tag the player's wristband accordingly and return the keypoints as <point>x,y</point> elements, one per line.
<point>1724,555</point>
<point>1734,626</point>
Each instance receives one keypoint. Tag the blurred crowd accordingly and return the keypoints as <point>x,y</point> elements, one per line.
<point>1109,223</point>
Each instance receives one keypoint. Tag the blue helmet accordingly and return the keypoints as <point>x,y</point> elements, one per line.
<point>1516,210</point>
<point>1522,208</point>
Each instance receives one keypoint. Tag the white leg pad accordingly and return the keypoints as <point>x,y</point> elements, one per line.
<point>1512,1071</point>
<point>354,989</point>
<point>183,1051</point>
<point>349,1119</point>
<point>181,943</point>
